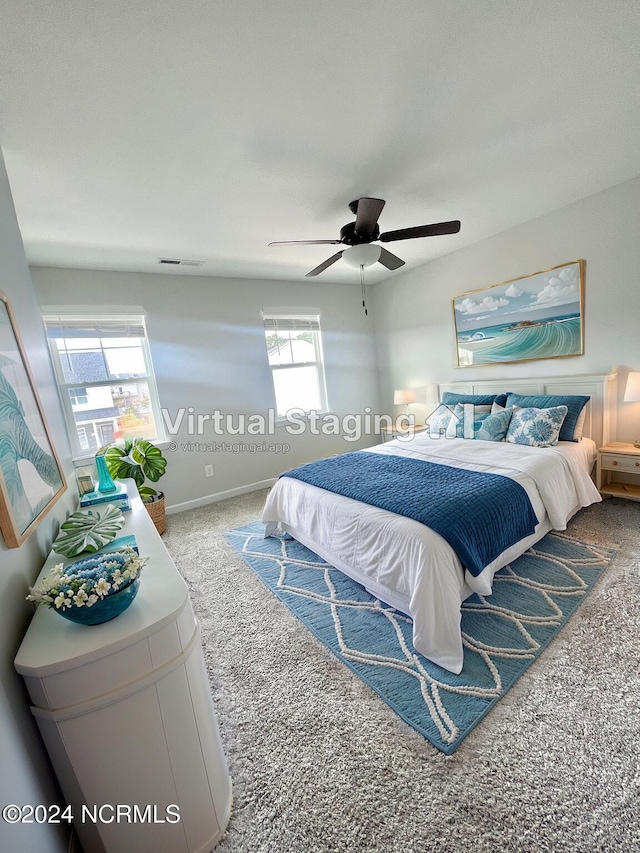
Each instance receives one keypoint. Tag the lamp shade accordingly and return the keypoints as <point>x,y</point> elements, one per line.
<point>362,256</point>
<point>404,397</point>
<point>632,391</point>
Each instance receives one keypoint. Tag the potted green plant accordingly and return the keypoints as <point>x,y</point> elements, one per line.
<point>140,460</point>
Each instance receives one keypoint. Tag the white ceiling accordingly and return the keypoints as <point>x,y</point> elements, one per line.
<point>204,129</point>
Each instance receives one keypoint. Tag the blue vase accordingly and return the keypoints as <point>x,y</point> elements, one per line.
<point>105,483</point>
<point>105,609</point>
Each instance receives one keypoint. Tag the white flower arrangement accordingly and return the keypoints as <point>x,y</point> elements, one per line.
<point>83,583</point>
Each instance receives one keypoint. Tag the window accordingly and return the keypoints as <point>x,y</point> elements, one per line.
<point>78,396</point>
<point>83,438</point>
<point>104,372</point>
<point>294,350</point>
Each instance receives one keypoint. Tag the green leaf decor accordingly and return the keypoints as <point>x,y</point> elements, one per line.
<point>138,459</point>
<point>88,530</point>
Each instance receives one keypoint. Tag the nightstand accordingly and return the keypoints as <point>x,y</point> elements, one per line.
<point>622,458</point>
<point>389,433</point>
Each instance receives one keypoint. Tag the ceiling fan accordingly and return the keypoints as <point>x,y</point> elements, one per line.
<point>359,236</point>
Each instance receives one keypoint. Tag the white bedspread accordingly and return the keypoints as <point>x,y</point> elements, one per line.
<point>407,564</point>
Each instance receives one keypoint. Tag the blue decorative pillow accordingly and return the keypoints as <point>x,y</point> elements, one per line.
<point>450,398</point>
<point>574,403</point>
<point>536,427</point>
<point>494,428</point>
<point>466,420</point>
<point>439,420</point>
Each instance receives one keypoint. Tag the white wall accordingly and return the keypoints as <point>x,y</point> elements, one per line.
<point>413,315</point>
<point>208,349</point>
<point>25,773</point>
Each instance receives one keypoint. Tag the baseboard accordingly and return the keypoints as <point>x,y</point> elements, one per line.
<point>221,496</point>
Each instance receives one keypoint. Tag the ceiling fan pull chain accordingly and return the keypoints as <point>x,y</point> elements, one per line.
<point>364,292</point>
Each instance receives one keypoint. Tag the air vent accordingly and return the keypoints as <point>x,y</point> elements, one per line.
<point>180,262</point>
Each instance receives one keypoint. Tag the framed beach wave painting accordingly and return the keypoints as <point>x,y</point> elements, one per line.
<point>534,317</point>
<point>31,479</point>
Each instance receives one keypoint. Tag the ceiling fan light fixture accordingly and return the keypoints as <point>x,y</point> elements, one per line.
<point>363,255</point>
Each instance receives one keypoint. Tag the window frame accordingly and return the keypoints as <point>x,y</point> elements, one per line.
<point>95,318</point>
<point>307,323</point>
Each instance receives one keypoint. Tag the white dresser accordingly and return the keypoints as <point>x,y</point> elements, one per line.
<point>125,712</point>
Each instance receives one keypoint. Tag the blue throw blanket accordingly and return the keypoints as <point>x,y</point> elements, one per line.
<point>479,514</point>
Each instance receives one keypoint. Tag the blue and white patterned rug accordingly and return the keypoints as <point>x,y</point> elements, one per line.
<point>502,634</point>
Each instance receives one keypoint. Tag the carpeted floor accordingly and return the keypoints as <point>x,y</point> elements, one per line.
<point>320,763</point>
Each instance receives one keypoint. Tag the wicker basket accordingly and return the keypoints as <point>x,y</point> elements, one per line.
<point>156,510</point>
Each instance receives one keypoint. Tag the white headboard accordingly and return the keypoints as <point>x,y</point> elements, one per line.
<point>600,420</point>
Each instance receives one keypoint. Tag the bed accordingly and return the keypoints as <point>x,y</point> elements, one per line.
<point>409,566</point>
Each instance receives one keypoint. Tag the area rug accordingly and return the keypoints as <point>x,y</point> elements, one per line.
<point>503,634</point>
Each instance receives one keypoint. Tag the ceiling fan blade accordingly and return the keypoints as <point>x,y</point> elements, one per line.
<point>306,243</point>
<point>369,209</point>
<point>324,265</point>
<point>389,260</point>
<point>436,230</point>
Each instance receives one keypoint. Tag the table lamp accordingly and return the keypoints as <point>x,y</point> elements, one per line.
<point>406,396</point>
<point>632,394</point>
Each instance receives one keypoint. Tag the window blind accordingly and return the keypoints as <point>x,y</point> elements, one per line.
<point>291,322</point>
<point>78,326</point>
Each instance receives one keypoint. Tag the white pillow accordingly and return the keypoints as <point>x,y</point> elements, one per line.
<point>577,432</point>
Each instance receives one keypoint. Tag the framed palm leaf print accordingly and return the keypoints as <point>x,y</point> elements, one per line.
<point>31,478</point>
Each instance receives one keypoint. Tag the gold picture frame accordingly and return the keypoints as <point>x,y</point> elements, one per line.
<point>536,316</point>
<point>31,477</point>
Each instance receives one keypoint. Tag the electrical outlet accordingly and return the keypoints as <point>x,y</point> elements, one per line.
<point>208,470</point>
